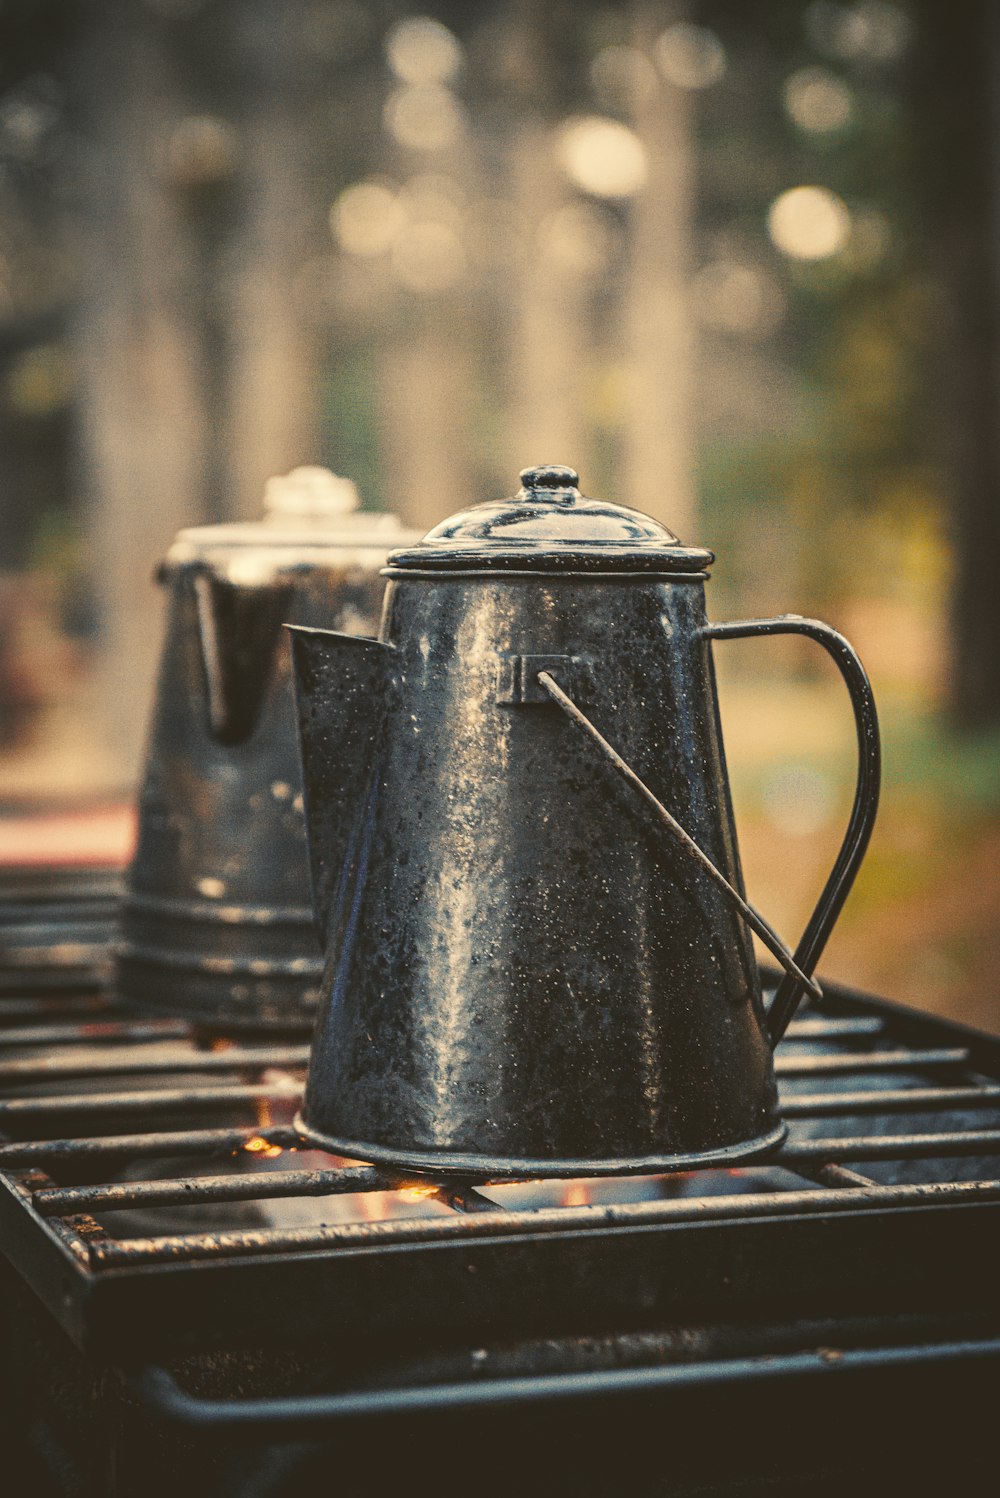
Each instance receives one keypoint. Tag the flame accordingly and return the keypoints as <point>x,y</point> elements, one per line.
<point>417,1193</point>
<point>259,1146</point>
<point>378,1206</point>
<point>264,1118</point>
<point>576,1194</point>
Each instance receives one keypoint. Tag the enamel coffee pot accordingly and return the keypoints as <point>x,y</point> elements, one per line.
<point>538,950</point>
<point>217,923</point>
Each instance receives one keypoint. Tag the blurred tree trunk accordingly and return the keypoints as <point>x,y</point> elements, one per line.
<point>274,356</point>
<point>199,376</point>
<point>659,445</point>
<point>141,397</point>
<point>956,114</point>
<point>424,386</point>
<point>426,354</point>
<point>550,315</point>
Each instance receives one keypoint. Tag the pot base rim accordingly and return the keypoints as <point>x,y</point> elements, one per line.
<point>497,1167</point>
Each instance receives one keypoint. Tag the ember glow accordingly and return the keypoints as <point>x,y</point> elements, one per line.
<point>260,1146</point>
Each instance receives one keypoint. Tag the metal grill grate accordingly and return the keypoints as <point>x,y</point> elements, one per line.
<point>893,1117</point>
<point>54,929</point>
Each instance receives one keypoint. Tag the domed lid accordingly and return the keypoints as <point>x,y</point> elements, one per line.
<point>309,514</point>
<point>550,526</point>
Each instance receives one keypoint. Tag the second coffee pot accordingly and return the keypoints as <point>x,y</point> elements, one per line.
<point>217,924</point>
<point>538,944</point>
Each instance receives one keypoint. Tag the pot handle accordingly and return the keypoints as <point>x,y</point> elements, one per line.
<point>866,795</point>
<point>795,977</point>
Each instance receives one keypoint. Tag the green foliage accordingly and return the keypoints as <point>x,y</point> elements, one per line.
<point>350,430</point>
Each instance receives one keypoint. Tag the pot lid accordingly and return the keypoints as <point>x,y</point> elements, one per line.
<point>549,525</point>
<point>308,514</point>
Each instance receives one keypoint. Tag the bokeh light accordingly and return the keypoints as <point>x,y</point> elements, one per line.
<point>690,56</point>
<point>435,197</point>
<point>872,31</point>
<point>27,116</point>
<point>366,218</point>
<point>602,156</point>
<point>809,223</point>
<point>818,101</point>
<point>421,50</point>
<point>202,150</point>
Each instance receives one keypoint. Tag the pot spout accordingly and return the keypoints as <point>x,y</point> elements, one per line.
<point>341,690</point>
<point>239,627</point>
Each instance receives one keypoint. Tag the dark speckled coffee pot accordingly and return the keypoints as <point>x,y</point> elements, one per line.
<point>539,958</point>
<point>217,923</point>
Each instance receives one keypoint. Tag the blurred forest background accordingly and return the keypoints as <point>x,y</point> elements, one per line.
<point>737,262</point>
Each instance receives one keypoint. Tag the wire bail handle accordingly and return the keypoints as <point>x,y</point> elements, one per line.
<point>798,966</point>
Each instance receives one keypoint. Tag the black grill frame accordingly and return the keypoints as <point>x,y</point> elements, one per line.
<point>480,1270</point>
<point>835,1301</point>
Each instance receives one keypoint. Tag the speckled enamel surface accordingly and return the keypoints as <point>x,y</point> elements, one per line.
<point>520,966</point>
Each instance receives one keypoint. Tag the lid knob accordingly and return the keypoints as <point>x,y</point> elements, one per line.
<point>310,493</point>
<point>551,481</point>
<point>553,476</point>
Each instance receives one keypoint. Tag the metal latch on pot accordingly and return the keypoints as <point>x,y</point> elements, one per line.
<point>517,677</point>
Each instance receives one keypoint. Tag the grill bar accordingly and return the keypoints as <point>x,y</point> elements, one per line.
<point>99,1032</point>
<point>37,1007</point>
<point>892,1147</point>
<point>72,1233</point>
<point>902,1100</point>
<point>137,1146</point>
<point>465,1199</point>
<point>243,1059</point>
<point>99,1001</point>
<point>843,1065</point>
<point>56,1201</point>
<point>77,954</point>
<point>831,1028</point>
<point>837,1175</point>
<point>53,1201</point>
<point>184,1247</point>
<point>171,1099</point>
<point>152,1100</point>
<point>233,1058</point>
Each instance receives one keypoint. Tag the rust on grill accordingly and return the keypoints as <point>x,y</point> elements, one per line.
<point>119,1252</point>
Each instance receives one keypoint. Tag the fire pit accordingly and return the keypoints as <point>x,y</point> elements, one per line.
<point>320,1301</point>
